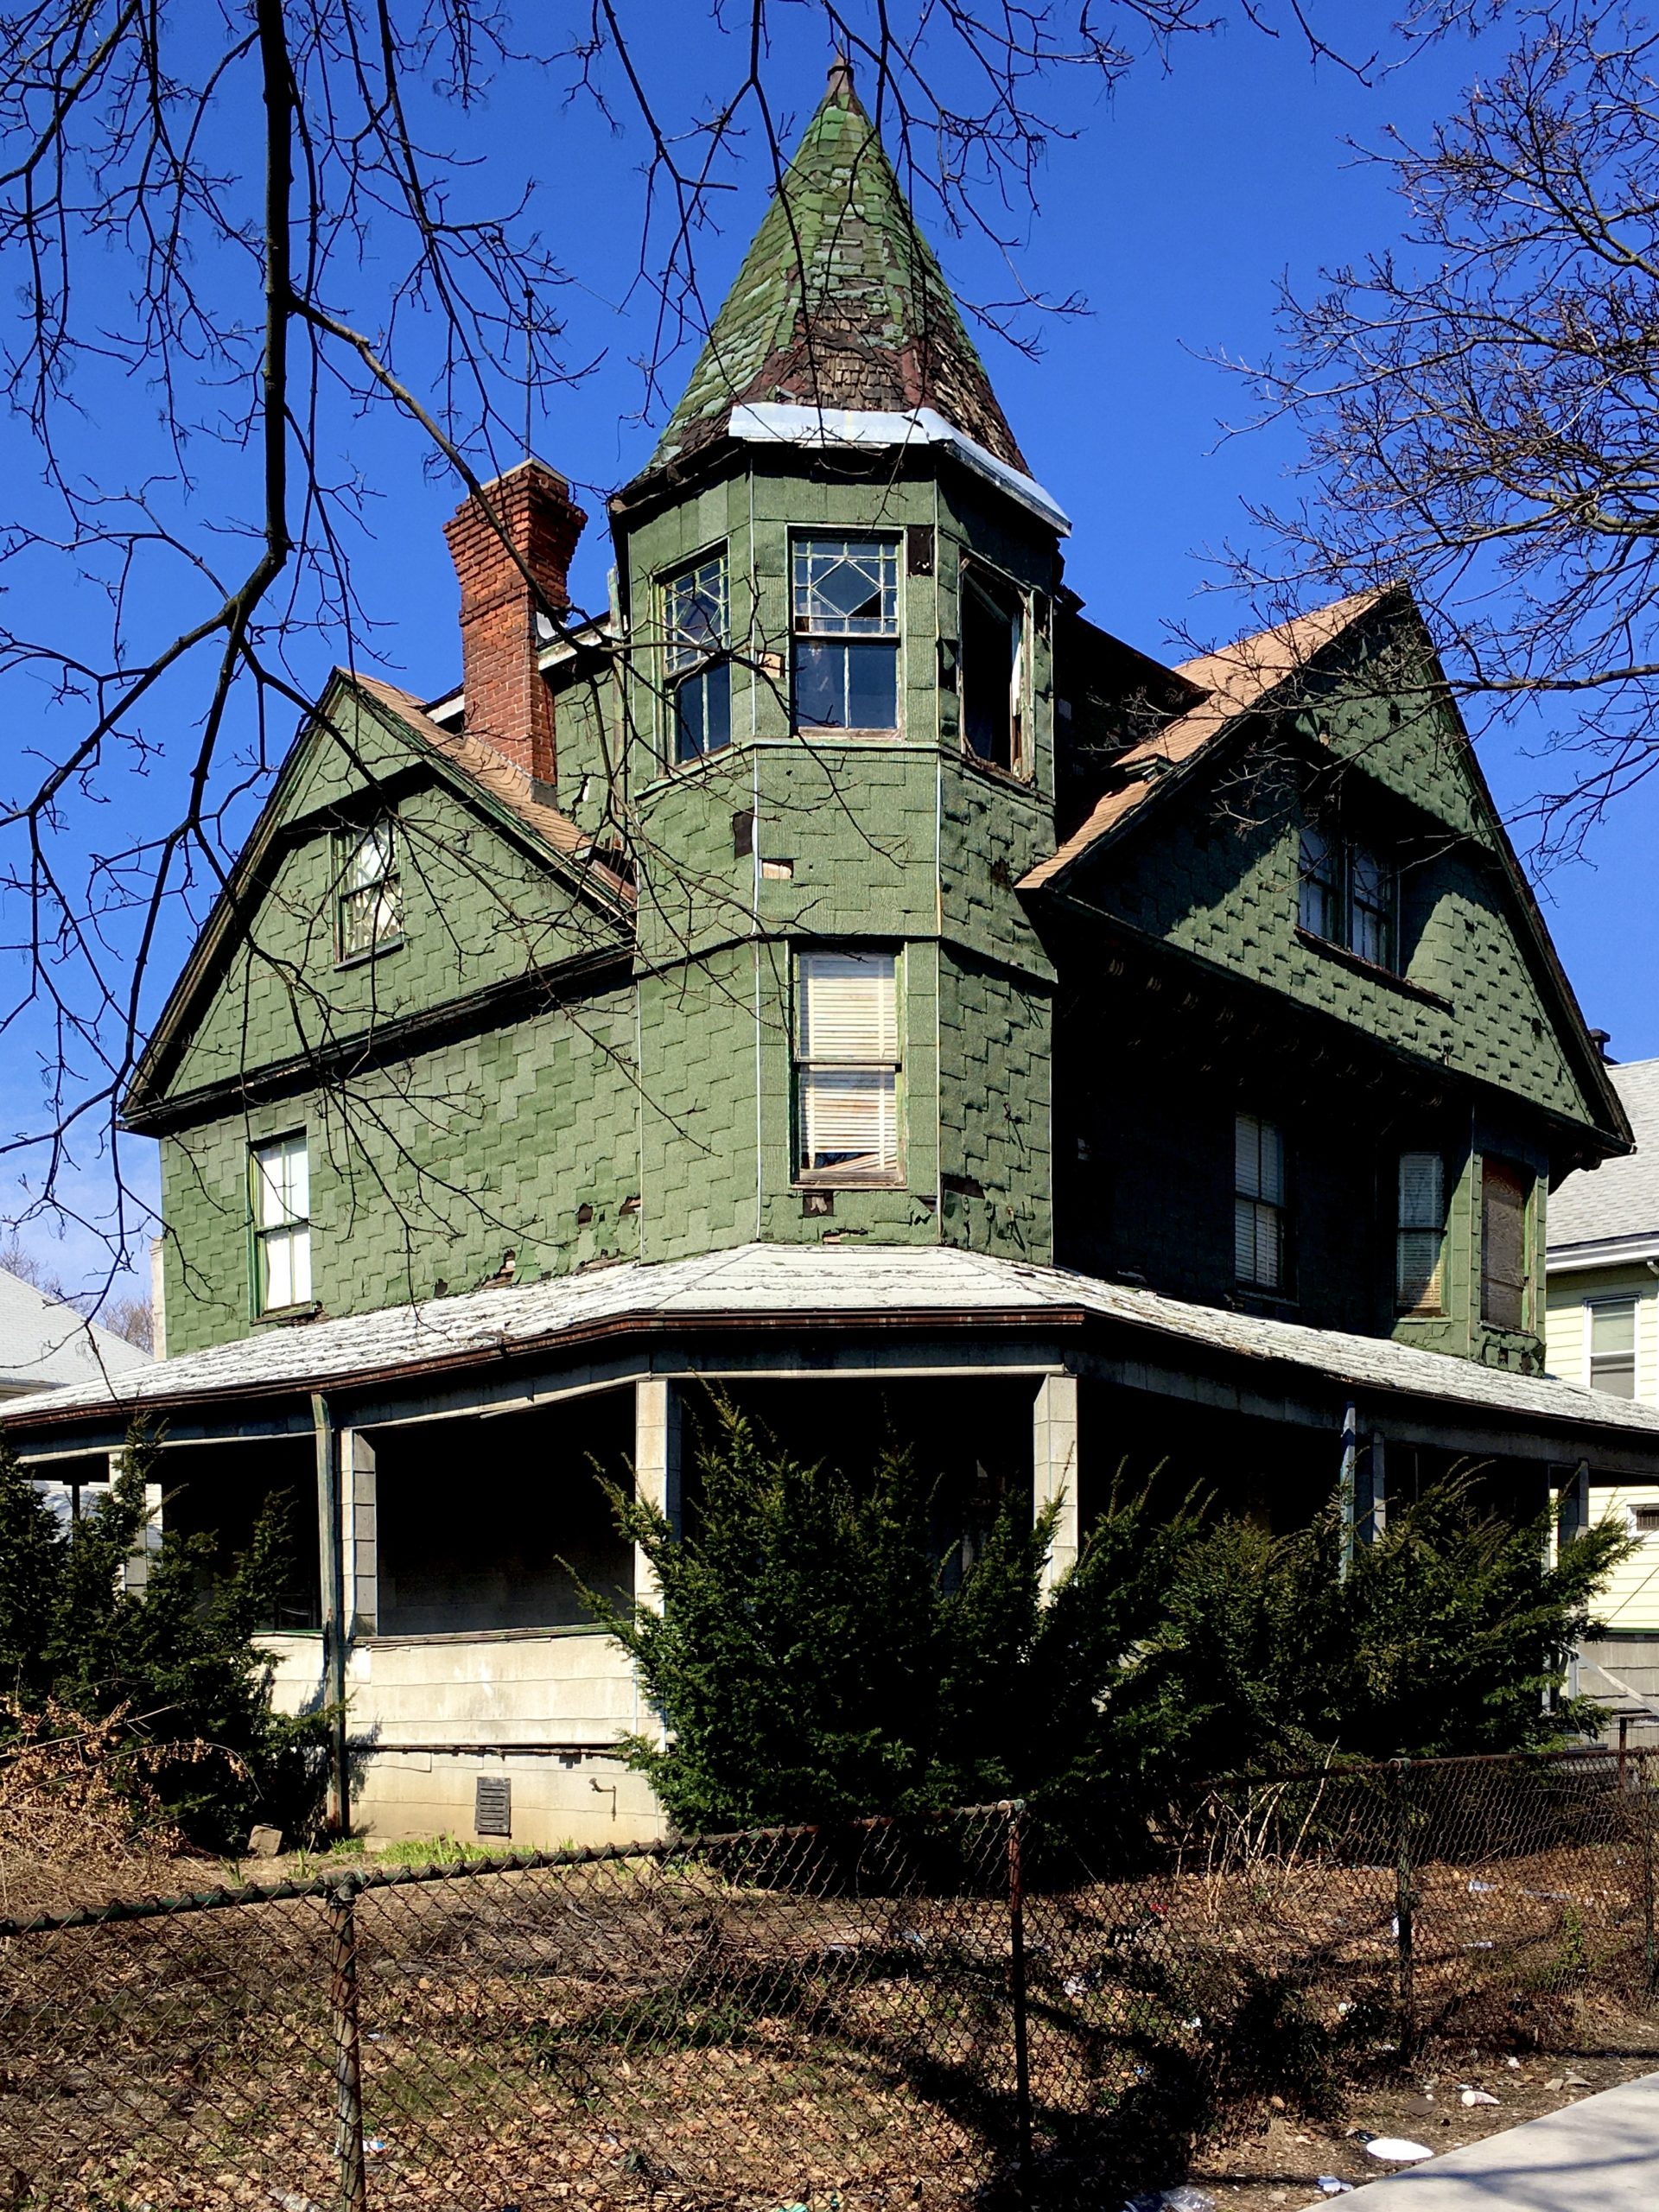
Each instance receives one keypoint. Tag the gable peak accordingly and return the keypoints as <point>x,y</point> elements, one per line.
<point>840,303</point>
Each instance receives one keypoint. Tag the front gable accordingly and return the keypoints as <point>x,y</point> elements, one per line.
<point>1206,858</point>
<point>486,900</point>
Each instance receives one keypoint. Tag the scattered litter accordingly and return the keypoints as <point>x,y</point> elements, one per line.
<point>1078,1985</point>
<point>1575,2080</point>
<point>376,2146</point>
<point>1197,2021</point>
<point>1515,2062</point>
<point>1346,2005</point>
<point>289,2202</point>
<point>1555,2081</point>
<point>1399,2150</point>
<point>1479,2097</point>
<point>1329,2185</point>
<point>913,1936</point>
<point>1171,2200</point>
<point>1478,1947</point>
<point>1481,1889</point>
<point>1393,1926</point>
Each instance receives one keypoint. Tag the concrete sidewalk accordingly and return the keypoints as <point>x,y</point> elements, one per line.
<point>1599,2155</point>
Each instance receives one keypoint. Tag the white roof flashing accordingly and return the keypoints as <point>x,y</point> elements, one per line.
<point>772,422</point>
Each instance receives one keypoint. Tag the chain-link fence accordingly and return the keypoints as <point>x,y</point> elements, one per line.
<point>986,2004</point>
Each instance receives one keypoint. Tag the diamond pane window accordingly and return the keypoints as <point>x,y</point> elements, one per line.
<point>1258,1202</point>
<point>696,634</point>
<point>847,1065</point>
<point>282,1225</point>
<point>846,630</point>
<point>369,913</point>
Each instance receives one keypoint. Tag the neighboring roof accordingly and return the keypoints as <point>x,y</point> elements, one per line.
<point>839,303</point>
<point>808,1285</point>
<point>1240,679</point>
<point>45,1344</point>
<point>1597,1215</point>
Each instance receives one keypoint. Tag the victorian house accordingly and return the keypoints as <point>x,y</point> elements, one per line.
<point>847,976</point>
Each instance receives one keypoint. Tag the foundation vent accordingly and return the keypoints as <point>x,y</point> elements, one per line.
<point>492,1806</point>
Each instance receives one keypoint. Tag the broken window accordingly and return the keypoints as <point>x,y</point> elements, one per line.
<point>369,914</point>
<point>1420,1232</point>
<point>1504,1191</point>
<point>846,633</point>
<point>993,673</point>
<point>282,1225</point>
<point>1613,1346</point>
<point>1258,1202</point>
<point>696,629</point>
<point>847,1065</point>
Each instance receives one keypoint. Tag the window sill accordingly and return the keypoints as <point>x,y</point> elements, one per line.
<point>1018,780</point>
<point>1360,966</point>
<point>830,1178</point>
<point>834,734</point>
<point>374,952</point>
<point>278,1317</point>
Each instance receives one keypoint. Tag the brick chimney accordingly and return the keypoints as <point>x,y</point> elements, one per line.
<point>508,702</point>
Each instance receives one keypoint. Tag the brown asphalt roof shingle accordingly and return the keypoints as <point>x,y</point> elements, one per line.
<point>1239,679</point>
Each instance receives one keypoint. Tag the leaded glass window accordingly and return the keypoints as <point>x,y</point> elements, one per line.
<point>846,633</point>
<point>696,629</point>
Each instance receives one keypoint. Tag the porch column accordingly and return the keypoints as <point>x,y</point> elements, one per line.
<point>359,1535</point>
<point>656,1466</point>
<point>1054,1469</point>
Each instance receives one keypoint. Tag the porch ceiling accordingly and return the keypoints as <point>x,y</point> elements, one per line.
<point>799,1288</point>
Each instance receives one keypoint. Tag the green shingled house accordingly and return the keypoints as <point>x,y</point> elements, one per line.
<point>847,974</point>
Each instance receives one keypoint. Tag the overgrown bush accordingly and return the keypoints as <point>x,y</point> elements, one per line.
<point>809,1662</point>
<point>172,1665</point>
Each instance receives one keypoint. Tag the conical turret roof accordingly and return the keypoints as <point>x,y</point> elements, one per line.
<point>840,302</point>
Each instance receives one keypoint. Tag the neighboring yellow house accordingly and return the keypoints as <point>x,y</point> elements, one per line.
<point>1603,1331</point>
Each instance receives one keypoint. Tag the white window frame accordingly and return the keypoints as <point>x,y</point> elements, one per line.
<point>848,1063</point>
<point>809,626</point>
<point>1593,1306</point>
<point>279,1191</point>
<point>1013,602</point>
<point>691,656</point>
<point>1260,1204</point>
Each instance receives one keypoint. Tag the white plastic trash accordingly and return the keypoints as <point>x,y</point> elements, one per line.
<point>1396,2150</point>
<point>1479,2097</point>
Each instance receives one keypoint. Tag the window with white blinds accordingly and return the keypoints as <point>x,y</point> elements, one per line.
<point>847,1064</point>
<point>282,1225</point>
<point>1420,1232</point>
<point>1258,1202</point>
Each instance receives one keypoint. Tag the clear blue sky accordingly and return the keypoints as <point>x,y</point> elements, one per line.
<point>1174,210</point>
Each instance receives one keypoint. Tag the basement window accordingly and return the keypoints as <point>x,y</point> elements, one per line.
<point>697,630</point>
<point>282,1225</point>
<point>368,909</point>
<point>1420,1232</point>
<point>847,1065</point>
<point>1504,1193</point>
<point>1613,1346</point>
<point>994,665</point>
<point>845,599</point>
<point>1258,1202</point>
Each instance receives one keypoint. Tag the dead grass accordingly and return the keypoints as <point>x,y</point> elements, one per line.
<point>69,1838</point>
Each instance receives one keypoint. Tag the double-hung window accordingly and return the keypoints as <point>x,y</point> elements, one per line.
<point>845,627</point>
<point>282,1225</point>
<point>847,1063</point>
<point>1504,1193</point>
<point>1258,1202</point>
<point>1420,1232</point>
<point>1613,1346</point>
<point>1348,895</point>
<point>368,909</point>
<point>696,632</point>
<point>993,671</point>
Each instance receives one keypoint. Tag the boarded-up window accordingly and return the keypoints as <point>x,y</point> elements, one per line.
<point>1613,1346</point>
<point>1504,1191</point>
<point>1420,1232</point>
<point>847,1064</point>
<point>1258,1202</point>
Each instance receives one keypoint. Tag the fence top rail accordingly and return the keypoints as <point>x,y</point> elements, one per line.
<point>1382,1769</point>
<point>351,1881</point>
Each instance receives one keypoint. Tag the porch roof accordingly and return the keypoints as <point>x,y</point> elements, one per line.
<point>797,1287</point>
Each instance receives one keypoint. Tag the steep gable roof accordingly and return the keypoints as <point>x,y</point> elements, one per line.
<point>840,302</point>
<point>45,1344</point>
<point>476,770</point>
<point>1617,1205</point>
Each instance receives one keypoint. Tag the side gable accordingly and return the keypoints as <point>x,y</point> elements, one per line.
<point>1197,845</point>
<point>495,887</point>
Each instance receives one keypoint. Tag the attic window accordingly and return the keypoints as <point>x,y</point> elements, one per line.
<point>994,665</point>
<point>846,631</point>
<point>369,911</point>
<point>1347,894</point>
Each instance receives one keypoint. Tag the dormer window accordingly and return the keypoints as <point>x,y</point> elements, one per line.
<point>1347,895</point>
<point>696,632</point>
<point>845,599</point>
<point>368,900</point>
<point>993,670</point>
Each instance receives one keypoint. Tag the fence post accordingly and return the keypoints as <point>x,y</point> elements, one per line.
<point>1403,1909</point>
<point>1644,1778</point>
<point>1017,1992</point>
<point>351,2180</point>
